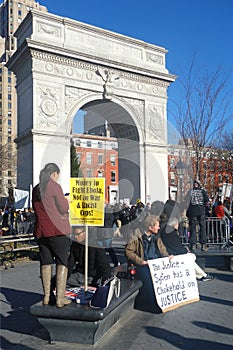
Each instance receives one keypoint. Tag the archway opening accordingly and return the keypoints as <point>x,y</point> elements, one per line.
<point>108,119</point>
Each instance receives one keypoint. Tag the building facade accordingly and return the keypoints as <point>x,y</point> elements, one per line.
<point>12,13</point>
<point>98,157</point>
<point>215,169</point>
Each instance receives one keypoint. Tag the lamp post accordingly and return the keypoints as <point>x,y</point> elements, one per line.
<point>180,169</point>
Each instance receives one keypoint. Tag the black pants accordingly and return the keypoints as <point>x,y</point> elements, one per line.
<point>193,221</point>
<point>54,249</point>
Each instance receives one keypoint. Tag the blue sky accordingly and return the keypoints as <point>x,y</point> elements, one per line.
<point>183,27</point>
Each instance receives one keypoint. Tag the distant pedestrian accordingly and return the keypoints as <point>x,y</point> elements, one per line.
<point>196,200</point>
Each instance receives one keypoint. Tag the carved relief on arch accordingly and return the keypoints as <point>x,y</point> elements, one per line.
<point>159,90</point>
<point>72,95</point>
<point>49,29</point>
<point>155,124</point>
<point>109,78</point>
<point>138,108</point>
<point>48,106</point>
<point>156,58</point>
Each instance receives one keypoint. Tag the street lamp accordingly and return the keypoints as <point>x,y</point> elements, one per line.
<point>180,169</point>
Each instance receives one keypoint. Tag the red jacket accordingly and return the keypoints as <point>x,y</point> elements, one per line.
<point>219,211</point>
<point>52,212</point>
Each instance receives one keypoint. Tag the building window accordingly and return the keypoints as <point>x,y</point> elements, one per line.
<point>88,143</point>
<point>9,131</point>
<point>89,172</point>
<point>205,180</point>
<point>89,158</point>
<point>9,105</point>
<point>172,163</point>
<point>173,178</point>
<point>9,97</point>
<point>212,166</point>
<point>100,144</point>
<point>77,142</point>
<point>9,139</point>
<point>113,160</point>
<point>9,113</point>
<point>100,173</point>
<point>113,176</point>
<point>9,79</point>
<point>100,158</point>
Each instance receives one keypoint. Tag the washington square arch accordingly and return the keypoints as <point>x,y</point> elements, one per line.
<point>63,66</point>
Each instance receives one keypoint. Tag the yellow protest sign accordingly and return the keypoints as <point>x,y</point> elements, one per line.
<point>87,196</point>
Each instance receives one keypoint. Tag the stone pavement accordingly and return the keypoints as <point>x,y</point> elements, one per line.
<point>207,324</point>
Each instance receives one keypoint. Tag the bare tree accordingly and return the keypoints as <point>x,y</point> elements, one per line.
<point>227,141</point>
<point>203,111</point>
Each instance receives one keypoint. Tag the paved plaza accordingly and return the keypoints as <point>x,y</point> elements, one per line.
<point>206,324</point>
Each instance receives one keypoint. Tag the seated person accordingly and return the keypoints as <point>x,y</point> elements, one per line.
<point>146,243</point>
<point>98,264</point>
<point>170,238</point>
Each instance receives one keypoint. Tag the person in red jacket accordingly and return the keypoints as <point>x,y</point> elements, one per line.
<point>52,230</point>
<point>220,210</point>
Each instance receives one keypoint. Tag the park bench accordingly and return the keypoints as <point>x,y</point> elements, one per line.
<point>82,324</point>
<point>11,245</point>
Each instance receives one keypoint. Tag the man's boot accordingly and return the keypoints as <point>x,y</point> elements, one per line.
<point>46,274</point>
<point>61,276</point>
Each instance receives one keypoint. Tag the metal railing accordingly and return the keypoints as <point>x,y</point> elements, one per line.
<point>217,232</point>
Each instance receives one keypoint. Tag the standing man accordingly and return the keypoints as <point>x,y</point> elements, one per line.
<point>196,201</point>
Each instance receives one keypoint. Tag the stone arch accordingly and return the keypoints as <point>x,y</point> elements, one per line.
<point>126,131</point>
<point>78,104</point>
<point>63,65</point>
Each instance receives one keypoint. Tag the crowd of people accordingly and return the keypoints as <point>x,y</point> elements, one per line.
<point>14,221</point>
<point>192,215</point>
<point>150,231</point>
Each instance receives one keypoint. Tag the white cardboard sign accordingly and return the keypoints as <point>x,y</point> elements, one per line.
<point>174,281</point>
